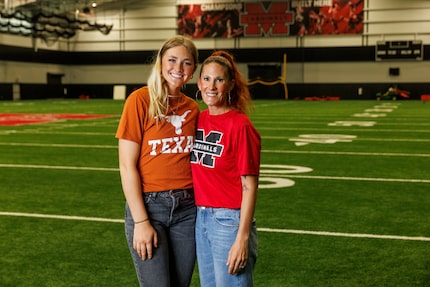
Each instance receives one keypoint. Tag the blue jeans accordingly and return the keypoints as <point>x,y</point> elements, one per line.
<point>216,230</point>
<point>172,214</point>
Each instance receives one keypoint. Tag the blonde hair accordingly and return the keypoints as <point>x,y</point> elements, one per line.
<point>157,87</point>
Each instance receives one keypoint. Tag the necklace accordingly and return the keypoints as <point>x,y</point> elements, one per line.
<point>174,99</point>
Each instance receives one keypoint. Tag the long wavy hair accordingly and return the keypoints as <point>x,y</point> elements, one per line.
<point>158,92</point>
<point>239,97</point>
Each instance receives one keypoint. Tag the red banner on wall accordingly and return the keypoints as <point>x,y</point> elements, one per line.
<point>325,17</point>
<point>213,20</point>
<point>271,18</point>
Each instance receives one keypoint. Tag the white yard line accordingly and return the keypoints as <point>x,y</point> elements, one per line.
<point>58,145</point>
<point>342,234</point>
<point>350,153</point>
<point>270,230</point>
<point>358,139</point>
<point>265,151</point>
<point>62,167</point>
<point>59,130</point>
<point>59,167</point>
<point>65,217</point>
<point>404,180</point>
<point>349,129</point>
<point>53,131</point>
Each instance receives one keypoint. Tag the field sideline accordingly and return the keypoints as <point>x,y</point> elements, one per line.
<point>344,194</point>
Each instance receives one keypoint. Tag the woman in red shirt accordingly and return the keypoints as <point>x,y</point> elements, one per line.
<point>225,163</point>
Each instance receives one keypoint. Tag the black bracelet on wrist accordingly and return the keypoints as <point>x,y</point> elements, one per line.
<point>142,221</point>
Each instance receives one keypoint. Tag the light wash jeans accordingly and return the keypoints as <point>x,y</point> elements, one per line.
<point>216,230</point>
<point>173,214</point>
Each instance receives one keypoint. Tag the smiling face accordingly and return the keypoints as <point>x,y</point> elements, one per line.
<point>177,67</point>
<point>215,84</point>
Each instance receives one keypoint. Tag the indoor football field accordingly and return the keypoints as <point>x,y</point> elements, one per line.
<point>344,197</point>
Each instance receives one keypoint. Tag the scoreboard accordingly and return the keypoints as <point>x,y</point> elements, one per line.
<point>399,50</point>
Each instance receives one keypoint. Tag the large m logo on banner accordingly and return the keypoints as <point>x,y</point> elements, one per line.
<point>266,19</point>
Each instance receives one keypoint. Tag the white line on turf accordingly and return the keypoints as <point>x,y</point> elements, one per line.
<point>59,167</point>
<point>270,230</point>
<point>358,139</point>
<point>59,145</point>
<point>46,131</point>
<point>409,180</point>
<point>342,234</point>
<point>265,151</point>
<point>349,153</point>
<point>348,128</point>
<point>65,217</point>
<point>59,130</point>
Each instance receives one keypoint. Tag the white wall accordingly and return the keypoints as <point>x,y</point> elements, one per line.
<point>13,72</point>
<point>31,73</point>
<point>398,20</point>
<point>107,74</point>
<point>343,72</point>
<point>367,72</point>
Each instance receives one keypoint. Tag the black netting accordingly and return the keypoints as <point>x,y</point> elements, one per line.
<point>46,26</point>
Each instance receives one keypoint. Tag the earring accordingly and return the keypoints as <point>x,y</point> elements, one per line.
<point>229,99</point>
<point>197,96</point>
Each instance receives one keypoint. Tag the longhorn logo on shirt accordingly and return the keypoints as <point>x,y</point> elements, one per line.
<point>175,144</point>
<point>177,121</point>
<point>206,149</point>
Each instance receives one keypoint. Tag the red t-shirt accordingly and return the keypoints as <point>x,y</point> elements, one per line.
<point>226,147</point>
<point>164,161</point>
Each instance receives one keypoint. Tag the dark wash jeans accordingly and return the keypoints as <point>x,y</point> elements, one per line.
<point>173,214</point>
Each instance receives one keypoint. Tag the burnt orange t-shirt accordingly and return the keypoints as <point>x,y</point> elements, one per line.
<point>164,161</point>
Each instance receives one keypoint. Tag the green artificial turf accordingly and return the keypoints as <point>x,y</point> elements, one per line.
<point>355,212</point>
